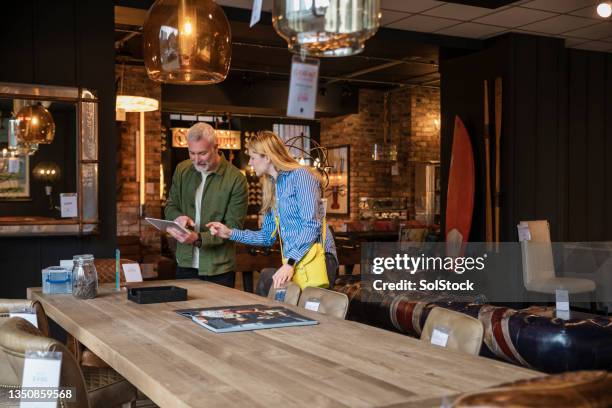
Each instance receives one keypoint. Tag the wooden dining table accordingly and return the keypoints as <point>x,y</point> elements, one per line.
<point>336,363</point>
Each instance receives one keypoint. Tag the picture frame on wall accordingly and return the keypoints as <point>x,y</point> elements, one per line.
<point>338,189</point>
<point>15,178</point>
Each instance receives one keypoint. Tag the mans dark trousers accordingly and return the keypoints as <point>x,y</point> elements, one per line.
<point>226,279</point>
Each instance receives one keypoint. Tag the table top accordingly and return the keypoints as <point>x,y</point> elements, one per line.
<point>336,363</point>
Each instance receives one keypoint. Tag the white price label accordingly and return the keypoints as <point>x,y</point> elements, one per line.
<point>303,88</point>
<point>69,205</point>
<point>41,372</point>
<point>563,314</point>
<point>439,337</point>
<point>562,299</point>
<point>132,272</point>
<point>523,232</point>
<point>312,304</point>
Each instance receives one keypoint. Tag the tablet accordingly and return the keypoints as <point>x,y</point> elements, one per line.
<point>163,225</point>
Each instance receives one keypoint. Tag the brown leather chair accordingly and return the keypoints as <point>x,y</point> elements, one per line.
<point>330,302</point>
<point>577,389</point>
<point>9,305</point>
<point>292,295</point>
<point>464,332</point>
<point>94,387</point>
<point>106,269</point>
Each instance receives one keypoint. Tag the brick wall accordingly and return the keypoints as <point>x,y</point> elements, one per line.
<point>136,82</point>
<point>413,112</point>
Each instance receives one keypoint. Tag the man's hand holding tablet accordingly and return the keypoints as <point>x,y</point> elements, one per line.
<point>178,228</point>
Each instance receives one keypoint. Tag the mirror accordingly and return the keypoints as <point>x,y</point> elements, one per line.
<point>48,160</point>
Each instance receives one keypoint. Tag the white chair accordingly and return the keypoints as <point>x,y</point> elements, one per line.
<point>538,264</point>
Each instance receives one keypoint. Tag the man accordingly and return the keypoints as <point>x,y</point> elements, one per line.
<point>206,188</point>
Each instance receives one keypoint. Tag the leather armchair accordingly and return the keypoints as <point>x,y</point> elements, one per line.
<point>8,305</point>
<point>292,295</point>
<point>464,332</point>
<point>330,302</point>
<point>94,387</point>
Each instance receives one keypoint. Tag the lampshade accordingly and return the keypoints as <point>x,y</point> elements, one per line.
<point>326,28</point>
<point>187,42</point>
<point>35,125</point>
<point>131,103</point>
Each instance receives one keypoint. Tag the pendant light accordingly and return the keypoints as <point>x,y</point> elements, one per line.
<point>133,103</point>
<point>187,42</point>
<point>326,28</point>
<point>33,126</point>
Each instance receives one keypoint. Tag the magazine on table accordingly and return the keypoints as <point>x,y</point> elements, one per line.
<point>223,319</point>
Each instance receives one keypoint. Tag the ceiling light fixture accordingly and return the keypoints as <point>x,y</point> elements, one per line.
<point>326,28</point>
<point>187,42</point>
<point>604,9</point>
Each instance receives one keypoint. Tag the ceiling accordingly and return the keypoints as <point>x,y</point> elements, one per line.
<point>404,52</point>
<point>574,20</point>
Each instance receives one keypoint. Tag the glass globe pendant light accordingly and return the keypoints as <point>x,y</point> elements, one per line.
<point>326,28</point>
<point>187,42</point>
<point>35,125</point>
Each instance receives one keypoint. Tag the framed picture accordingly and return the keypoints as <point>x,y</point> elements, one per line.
<point>338,192</point>
<point>15,178</point>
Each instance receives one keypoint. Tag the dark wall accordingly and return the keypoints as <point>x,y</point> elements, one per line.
<point>556,156</point>
<point>70,43</point>
<point>256,95</point>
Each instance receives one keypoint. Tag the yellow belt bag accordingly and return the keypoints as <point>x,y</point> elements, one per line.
<point>311,270</point>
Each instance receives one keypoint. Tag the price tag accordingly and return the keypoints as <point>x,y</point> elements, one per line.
<point>312,304</point>
<point>132,273</point>
<point>303,88</point>
<point>562,299</point>
<point>29,316</point>
<point>563,314</point>
<point>439,336</point>
<point>68,203</point>
<point>41,369</point>
<point>256,12</point>
<point>523,232</point>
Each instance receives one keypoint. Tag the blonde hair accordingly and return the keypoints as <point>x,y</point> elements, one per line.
<point>269,144</point>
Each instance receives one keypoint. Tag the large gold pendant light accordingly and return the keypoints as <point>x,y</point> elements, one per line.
<point>326,28</point>
<point>187,42</point>
<point>34,126</point>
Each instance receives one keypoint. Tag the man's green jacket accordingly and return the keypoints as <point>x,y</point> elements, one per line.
<point>224,199</point>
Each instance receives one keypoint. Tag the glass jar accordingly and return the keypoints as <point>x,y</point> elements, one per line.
<point>84,277</point>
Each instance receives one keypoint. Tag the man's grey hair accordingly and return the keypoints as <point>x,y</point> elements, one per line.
<point>201,131</point>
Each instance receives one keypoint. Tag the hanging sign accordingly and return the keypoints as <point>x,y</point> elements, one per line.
<point>303,88</point>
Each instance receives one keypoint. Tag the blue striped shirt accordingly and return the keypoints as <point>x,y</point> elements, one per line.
<point>299,206</point>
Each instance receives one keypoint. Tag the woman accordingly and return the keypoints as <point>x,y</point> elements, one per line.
<point>293,192</point>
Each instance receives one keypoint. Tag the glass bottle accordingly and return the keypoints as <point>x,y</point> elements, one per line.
<point>84,277</point>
